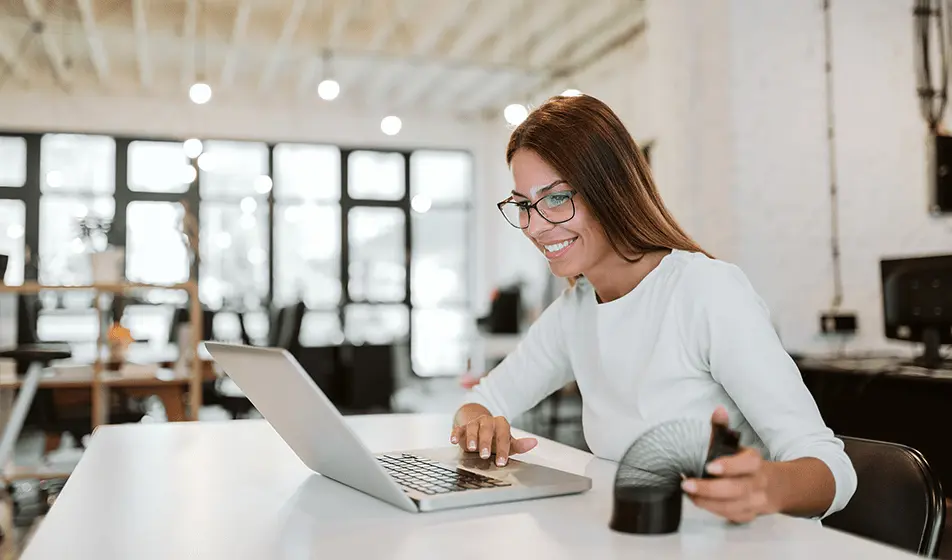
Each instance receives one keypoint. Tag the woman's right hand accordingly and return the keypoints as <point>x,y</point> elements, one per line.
<point>489,435</point>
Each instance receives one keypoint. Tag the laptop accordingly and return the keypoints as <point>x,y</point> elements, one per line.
<point>414,480</point>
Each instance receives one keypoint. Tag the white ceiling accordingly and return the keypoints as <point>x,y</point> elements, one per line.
<point>464,57</point>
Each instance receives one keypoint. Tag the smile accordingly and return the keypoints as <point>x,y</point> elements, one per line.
<point>556,249</point>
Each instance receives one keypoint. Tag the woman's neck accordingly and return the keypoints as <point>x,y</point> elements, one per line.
<point>616,277</point>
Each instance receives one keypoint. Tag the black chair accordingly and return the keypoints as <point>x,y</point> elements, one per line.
<point>898,499</point>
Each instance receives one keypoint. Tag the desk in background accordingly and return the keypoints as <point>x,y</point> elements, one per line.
<point>882,398</point>
<point>234,490</point>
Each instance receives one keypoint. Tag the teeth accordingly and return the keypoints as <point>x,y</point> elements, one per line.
<point>558,246</point>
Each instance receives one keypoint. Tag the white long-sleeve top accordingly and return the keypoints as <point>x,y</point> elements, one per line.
<point>692,335</point>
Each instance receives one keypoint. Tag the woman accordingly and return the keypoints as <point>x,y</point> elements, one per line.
<point>652,328</point>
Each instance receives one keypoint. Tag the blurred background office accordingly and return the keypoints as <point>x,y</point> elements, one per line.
<point>321,175</point>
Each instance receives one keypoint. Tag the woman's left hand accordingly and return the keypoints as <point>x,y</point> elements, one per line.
<point>740,490</point>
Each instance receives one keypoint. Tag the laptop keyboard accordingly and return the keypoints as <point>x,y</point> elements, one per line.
<point>429,477</point>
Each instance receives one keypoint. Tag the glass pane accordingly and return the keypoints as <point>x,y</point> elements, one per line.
<point>440,257</point>
<point>257,325</point>
<point>12,161</point>
<point>148,322</point>
<point>234,169</point>
<point>321,328</point>
<point>156,252</point>
<point>375,175</point>
<point>377,254</point>
<point>72,325</point>
<point>440,343</point>
<point>307,255</point>
<point>376,324</point>
<point>306,172</point>
<point>12,226</point>
<point>234,248</point>
<point>63,255</point>
<point>441,177</point>
<point>159,167</point>
<point>75,162</point>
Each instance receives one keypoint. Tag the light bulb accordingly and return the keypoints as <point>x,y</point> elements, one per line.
<point>200,93</point>
<point>328,90</point>
<point>391,125</point>
<point>515,113</point>
<point>193,147</point>
<point>189,175</point>
<point>248,205</point>
<point>421,203</point>
<point>571,93</point>
<point>263,184</point>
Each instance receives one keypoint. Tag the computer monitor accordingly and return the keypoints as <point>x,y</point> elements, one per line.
<point>917,303</point>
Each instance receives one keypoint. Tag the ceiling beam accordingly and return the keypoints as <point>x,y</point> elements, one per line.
<point>97,49</point>
<point>189,31</point>
<point>53,53</point>
<point>335,36</point>
<point>449,23</point>
<point>12,60</point>
<point>494,21</point>
<point>239,29</point>
<point>280,48</point>
<point>379,42</point>
<point>142,43</point>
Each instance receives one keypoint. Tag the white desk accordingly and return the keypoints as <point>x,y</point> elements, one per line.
<point>234,490</point>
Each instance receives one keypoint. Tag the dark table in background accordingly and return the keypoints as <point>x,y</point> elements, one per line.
<point>882,398</point>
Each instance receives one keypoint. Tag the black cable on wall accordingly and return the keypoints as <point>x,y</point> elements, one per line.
<point>929,14</point>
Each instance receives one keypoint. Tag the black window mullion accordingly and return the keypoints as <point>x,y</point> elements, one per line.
<point>117,232</point>
<point>346,203</point>
<point>271,223</point>
<point>31,198</point>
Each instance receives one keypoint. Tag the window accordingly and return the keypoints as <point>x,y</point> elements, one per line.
<point>12,227</point>
<point>377,269</point>
<point>376,176</point>
<point>64,251</point>
<point>77,163</point>
<point>234,186</point>
<point>156,252</point>
<point>376,250</point>
<point>160,167</point>
<point>441,187</point>
<point>12,161</point>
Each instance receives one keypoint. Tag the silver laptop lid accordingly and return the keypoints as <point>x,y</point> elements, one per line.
<point>305,418</point>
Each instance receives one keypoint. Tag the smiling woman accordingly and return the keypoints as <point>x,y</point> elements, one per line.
<point>653,329</point>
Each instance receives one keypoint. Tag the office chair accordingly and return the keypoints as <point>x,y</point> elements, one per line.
<point>898,499</point>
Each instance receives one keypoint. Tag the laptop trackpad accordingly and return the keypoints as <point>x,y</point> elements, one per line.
<point>515,472</point>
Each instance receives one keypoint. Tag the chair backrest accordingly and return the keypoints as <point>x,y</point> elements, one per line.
<point>287,327</point>
<point>898,499</point>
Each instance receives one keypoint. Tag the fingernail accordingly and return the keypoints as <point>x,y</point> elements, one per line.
<point>454,439</point>
<point>689,486</point>
<point>715,468</point>
<point>472,446</point>
<point>501,462</point>
<point>484,453</point>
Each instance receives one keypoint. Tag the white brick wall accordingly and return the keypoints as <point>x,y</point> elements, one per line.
<point>737,98</point>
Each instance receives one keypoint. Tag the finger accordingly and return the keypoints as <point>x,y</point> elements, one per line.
<point>747,462</point>
<point>734,511</point>
<point>472,432</point>
<point>720,416</point>
<point>486,430</point>
<point>502,441</point>
<point>522,445</point>
<point>722,489</point>
<point>454,434</point>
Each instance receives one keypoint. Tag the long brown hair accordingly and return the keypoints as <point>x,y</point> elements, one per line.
<point>590,148</point>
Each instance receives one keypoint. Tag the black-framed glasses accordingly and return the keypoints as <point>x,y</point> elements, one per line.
<point>555,208</point>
